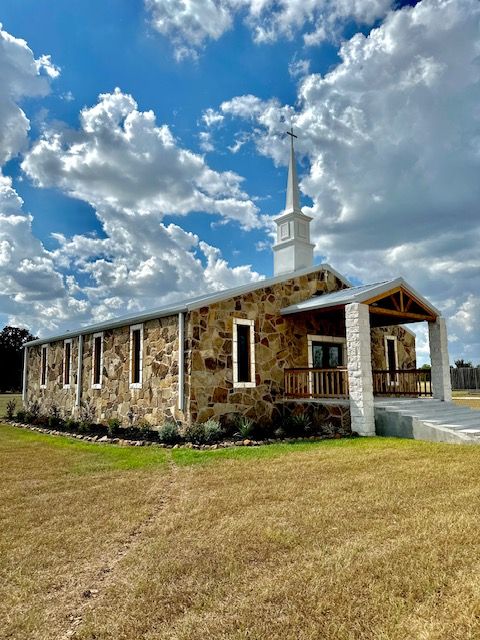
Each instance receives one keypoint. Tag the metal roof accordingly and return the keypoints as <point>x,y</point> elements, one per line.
<point>355,294</point>
<point>183,306</point>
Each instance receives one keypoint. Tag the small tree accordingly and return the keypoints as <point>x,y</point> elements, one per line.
<point>461,364</point>
<point>12,340</point>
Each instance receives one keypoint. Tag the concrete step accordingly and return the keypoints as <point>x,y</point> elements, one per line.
<point>427,419</point>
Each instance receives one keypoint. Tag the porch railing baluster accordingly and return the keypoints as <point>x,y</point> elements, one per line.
<point>333,383</point>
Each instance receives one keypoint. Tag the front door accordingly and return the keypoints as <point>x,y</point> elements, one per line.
<point>326,355</point>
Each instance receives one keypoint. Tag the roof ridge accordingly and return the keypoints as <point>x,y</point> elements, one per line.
<point>186,304</point>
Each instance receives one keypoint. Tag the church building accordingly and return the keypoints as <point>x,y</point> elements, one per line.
<point>303,335</point>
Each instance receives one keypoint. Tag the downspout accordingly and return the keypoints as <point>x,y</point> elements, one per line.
<point>79,371</point>
<point>181,361</point>
<point>24,382</point>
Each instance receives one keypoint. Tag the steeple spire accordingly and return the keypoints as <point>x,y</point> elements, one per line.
<point>293,194</point>
<point>293,249</point>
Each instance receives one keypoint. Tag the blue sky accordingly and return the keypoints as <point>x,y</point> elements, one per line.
<point>106,44</point>
<point>129,211</point>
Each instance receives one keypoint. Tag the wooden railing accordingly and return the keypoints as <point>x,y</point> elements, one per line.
<point>316,383</point>
<point>333,383</point>
<point>402,382</point>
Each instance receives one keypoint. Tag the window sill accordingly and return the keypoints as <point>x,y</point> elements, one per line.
<point>96,386</point>
<point>244,385</point>
<point>135,385</point>
<point>66,386</point>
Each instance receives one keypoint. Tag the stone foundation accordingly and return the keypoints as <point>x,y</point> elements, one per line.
<point>326,419</point>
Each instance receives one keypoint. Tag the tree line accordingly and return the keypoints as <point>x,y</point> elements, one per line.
<point>12,340</point>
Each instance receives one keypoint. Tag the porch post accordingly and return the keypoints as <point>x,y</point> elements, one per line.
<point>359,365</point>
<point>441,383</point>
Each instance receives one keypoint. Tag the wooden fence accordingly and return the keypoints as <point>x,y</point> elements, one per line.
<point>465,378</point>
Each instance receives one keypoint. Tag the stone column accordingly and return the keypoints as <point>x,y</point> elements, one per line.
<point>441,383</point>
<point>359,364</point>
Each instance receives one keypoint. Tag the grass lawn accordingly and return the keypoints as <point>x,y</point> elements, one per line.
<point>346,539</point>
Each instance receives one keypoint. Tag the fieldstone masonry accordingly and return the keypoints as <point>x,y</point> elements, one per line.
<point>357,325</point>
<point>209,391</point>
<point>441,382</point>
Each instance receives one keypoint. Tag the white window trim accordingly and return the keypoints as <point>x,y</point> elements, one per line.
<point>236,383</point>
<point>333,340</point>
<point>66,385</point>
<point>136,385</point>
<point>391,381</point>
<point>44,348</point>
<point>99,384</point>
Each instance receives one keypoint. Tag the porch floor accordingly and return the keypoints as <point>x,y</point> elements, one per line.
<point>345,402</point>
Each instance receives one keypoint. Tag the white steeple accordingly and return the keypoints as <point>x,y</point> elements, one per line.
<point>293,249</point>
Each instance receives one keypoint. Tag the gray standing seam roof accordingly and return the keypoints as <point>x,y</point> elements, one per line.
<point>182,306</point>
<point>354,294</point>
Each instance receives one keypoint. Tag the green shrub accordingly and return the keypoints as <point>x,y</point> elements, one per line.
<point>203,432</point>
<point>71,424</point>
<point>85,427</point>
<point>32,413</point>
<point>146,432</point>
<point>299,425</point>
<point>245,427</point>
<point>169,433</point>
<point>113,427</point>
<point>194,433</point>
<point>21,415</point>
<point>280,433</point>
<point>11,406</point>
<point>54,417</point>
<point>87,412</point>
<point>212,431</point>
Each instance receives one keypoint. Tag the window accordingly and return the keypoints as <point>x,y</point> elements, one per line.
<point>284,231</point>
<point>43,366</point>
<point>67,363</point>
<point>391,358</point>
<point>243,353</point>
<point>136,355</point>
<point>97,360</point>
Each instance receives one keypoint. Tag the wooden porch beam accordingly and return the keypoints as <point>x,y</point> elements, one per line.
<point>402,314</point>
<point>381,296</point>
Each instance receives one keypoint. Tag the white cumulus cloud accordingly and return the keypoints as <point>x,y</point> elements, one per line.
<point>191,23</point>
<point>392,136</point>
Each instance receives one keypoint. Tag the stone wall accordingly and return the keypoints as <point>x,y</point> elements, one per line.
<point>280,342</point>
<point>54,394</point>
<point>154,401</point>
<point>328,419</point>
<point>406,353</point>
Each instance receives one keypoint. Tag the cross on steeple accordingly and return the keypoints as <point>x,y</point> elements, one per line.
<point>293,194</point>
<point>290,133</point>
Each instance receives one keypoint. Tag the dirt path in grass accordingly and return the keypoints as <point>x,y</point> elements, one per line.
<point>86,598</point>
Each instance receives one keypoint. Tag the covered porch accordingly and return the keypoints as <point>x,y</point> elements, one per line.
<point>353,378</point>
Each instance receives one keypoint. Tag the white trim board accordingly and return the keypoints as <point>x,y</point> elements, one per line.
<point>236,383</point>
<point>42,369</point>
<point>67,383</point>
<point>97,385</point>
<point>136,385</point>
